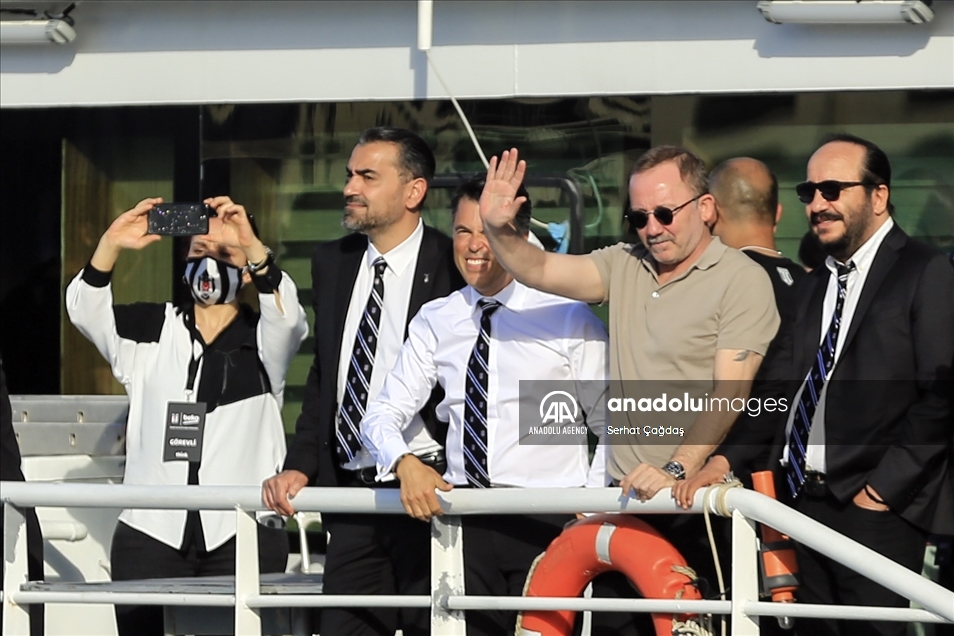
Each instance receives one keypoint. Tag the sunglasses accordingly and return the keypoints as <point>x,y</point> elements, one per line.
<point>830,190</point>
<point>638,219</point>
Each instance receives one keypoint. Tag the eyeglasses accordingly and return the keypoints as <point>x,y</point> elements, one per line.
<point>638,219</point>
<point>830,190</point>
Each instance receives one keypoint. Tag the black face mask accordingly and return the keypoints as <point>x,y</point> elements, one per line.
<point>211,281</point>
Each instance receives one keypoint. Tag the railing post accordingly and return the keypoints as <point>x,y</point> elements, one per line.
<point>16,618</point>
<point>248,620</point>
<point>447,574</point>
<point>745,574</point>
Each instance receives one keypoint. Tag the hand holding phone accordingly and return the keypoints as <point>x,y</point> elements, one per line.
<point>128,231</point>
<point>232,224</point>
<point>179,219</point>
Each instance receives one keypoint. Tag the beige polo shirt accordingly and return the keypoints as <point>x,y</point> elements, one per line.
<point>663,334</point>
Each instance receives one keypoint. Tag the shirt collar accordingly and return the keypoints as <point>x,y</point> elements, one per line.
<point>709,257</point>
<point>400,257</point>
<point>864,255</point>
<point>513,296</point>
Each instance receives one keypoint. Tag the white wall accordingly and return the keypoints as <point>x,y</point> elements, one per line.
<point>168,52</point>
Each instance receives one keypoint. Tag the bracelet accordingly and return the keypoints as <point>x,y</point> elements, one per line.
<point>398,461</point>
<point>873,497</point>
<point>269,258</point>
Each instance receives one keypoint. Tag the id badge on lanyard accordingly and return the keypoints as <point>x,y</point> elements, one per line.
<point>185,424</point>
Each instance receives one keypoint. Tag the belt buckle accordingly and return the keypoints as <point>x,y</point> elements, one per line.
<point>815,485</point>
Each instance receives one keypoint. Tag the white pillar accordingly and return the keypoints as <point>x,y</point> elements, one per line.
<point>447,574</point>
<point>745,574</point>
<point>248,621</point>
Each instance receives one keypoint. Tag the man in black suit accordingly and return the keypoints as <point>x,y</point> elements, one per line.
<point>367,287</point>
<point>866,448</point>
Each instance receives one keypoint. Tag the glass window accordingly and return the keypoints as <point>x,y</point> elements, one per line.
<point>286,162</point>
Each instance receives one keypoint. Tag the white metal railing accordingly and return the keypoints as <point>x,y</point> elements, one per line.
<point>447,600</point>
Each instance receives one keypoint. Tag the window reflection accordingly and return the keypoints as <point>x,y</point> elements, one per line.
<point>286,162</point>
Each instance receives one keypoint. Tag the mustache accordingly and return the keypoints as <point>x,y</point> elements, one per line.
<point>354,198</point>
<point>818,217</point>
<point>652,240</point>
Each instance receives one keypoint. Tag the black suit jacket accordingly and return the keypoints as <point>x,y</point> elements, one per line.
<point>334,270</point>
<point>889,411</point>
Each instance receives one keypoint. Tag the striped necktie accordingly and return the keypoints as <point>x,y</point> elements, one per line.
<point>475,402</point>
<point>812,389</point>
<point>357,386</point>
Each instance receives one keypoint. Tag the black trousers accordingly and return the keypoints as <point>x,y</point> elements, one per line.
<point>376,554</point>
<point>135,555</point>
<point>823,580</point>
<point>498,553</point>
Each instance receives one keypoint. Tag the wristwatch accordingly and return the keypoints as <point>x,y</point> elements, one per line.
<point>262,264</point>
<point>675,469</point>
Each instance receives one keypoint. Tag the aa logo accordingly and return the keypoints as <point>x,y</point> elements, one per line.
<point>558,407</point>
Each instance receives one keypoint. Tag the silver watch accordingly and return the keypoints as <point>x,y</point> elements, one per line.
<point>675,469</point>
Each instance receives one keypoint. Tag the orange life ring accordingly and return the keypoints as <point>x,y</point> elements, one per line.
<point>598,544</point>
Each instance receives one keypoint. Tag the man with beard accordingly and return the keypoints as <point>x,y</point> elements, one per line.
<point>367,287</point>
<point>866,447</point>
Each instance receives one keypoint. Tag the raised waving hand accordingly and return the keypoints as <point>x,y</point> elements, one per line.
<point>499,202</point>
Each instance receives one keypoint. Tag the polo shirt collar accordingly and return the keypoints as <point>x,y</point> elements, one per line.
<point>709,257</point>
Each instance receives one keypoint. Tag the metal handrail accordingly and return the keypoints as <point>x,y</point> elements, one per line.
<point>745,507</point>
<point>835,546</point>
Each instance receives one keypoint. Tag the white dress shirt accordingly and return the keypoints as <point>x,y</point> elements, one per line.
<point>398,281</point>
<point>533,336</point>
<point>863,259</point>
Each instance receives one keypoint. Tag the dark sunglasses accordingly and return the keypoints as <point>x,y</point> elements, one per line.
<point>830,190</point>
<point>638,219</point>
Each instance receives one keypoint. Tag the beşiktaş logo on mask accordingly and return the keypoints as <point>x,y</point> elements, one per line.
<point>212,281</point>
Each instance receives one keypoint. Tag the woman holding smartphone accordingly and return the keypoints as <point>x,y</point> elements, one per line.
<point>205,383</point>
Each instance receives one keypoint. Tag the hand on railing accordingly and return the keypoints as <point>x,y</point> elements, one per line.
<point>278,490</point>
<point>714,472</point>
<point>419,483</point>
<point>646,481</point>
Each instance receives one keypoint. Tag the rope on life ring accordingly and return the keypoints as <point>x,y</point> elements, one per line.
<point>603,543</point>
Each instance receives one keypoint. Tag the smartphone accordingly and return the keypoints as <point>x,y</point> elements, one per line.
<point>179,219</point>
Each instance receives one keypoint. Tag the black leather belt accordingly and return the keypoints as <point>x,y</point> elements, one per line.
<point>815,484</point>
<point>365,477</point>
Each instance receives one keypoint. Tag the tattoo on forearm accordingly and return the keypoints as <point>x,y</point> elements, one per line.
<point>742,355</point>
